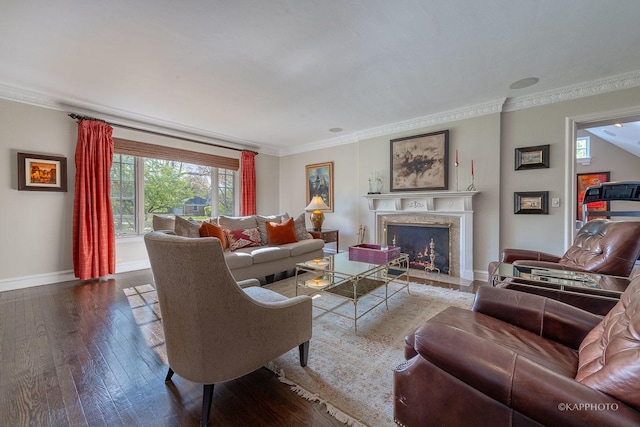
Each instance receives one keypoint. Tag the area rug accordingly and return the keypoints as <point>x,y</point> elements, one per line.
<point>352,375</point>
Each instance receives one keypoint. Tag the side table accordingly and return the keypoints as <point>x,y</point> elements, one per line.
<point>329,236</point>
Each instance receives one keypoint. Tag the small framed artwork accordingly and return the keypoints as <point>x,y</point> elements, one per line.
<point>320,182</point>
<point>586,180</point>
<point>39,172</point>
<point>535,157</point>
<point>420,162</point>
<point>531,202</point>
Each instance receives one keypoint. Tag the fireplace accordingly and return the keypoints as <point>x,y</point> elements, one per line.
<point>447,212</point>
<point>427,244</point>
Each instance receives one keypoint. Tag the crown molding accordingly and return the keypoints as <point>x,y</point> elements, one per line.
<point>580,90</point>
<point>469,112</point>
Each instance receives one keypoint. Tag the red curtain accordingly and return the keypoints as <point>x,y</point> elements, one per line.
<point>93,234</point>
<point>248,180</point>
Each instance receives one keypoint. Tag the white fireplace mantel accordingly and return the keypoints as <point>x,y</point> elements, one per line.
<point>446,204</point>
<point>430,201</point>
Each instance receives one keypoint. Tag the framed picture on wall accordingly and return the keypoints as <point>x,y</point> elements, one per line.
<point>39,172</point>
<point>587,180</point>
<point>534,157</point>
<point>420,162</point>
<point>320,182</point>
<point>531,202</point>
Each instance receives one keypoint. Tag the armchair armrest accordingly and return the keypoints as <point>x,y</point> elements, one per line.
<point>515,381</point>
<point>246,283</point>
<point>546,317</point>
<point>511,255</point>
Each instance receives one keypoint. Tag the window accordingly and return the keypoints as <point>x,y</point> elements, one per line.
<point>142,187</point>
<point>583,148</point>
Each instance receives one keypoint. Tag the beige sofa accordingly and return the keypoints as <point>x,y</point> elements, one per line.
<point>254,261</point>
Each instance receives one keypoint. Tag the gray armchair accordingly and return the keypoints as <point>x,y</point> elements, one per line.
<point>216,329</point>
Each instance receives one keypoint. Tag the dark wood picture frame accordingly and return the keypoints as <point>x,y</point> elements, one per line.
<point>320,181</point>
<point>41,172</point>
<point>420,162</point>
<point>534,157</point>
<point>584,180</point>
<point>531,202</point>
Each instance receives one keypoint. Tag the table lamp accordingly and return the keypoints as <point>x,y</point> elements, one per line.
<point>316,207</point>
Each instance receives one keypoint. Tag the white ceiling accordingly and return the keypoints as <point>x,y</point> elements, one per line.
<point>626,137</point>
<point>277,75</point>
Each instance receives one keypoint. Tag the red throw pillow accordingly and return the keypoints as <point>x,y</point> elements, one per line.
<point>279,234</point>
<point>211,230</point>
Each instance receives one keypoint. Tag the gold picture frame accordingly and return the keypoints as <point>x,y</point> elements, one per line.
<point>320,182</point>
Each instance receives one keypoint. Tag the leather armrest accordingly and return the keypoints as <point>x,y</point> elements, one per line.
<point>511,255</point>
<point>515,381</point>
<point>546,317</point>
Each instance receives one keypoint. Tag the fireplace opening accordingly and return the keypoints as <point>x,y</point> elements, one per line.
<point>428,245</point>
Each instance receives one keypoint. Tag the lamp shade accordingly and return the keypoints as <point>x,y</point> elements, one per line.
<point>317,204</point>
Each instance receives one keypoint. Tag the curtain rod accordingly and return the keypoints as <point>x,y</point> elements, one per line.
<point>80,117</point>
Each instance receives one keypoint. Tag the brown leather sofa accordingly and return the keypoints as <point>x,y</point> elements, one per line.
<point>518,359</point>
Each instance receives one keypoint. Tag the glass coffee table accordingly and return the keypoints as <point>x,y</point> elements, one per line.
<point>337,275</point>
<point>590,285</point>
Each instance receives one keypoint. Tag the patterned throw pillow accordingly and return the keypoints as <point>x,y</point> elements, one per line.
<point>279,234</point>
<point>211,230</point>
<point>242,238</point>
<point>301,228</point>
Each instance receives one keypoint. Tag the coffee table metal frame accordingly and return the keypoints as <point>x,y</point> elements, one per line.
<point>336,270</point>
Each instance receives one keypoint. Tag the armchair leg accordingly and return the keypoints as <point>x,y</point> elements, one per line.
<point>207,398</point>
<point>169,375</point>
<point>304,353</point>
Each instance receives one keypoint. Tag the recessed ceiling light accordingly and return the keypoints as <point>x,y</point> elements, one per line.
<point>521,84</point>
<point>618,125</point>
<point>335,130</point>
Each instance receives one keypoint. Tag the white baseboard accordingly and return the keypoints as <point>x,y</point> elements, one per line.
<point>23,282</point>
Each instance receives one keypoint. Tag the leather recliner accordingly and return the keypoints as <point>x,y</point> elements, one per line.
<point>518,359</point>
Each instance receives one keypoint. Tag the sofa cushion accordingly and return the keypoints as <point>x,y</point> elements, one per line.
<point>304,246</point>
<point>211,230</point>
<point>279,234</point>
<point>609,356</point>
<point>262,221</point>
<point>262,254</point>
<point>237,222</point>
<point>242,238</point>
<point>300,226</point>
<point>187,227</point>
<point>163,223</point>
<point>238,259</point>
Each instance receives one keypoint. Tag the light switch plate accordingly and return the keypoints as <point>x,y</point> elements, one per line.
<point>555,202</point>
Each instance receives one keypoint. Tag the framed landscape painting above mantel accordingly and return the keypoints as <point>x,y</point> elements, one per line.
<point>420,162</point>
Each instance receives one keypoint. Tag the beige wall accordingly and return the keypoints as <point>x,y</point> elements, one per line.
<point>545,125</point>
<point>476,139</point>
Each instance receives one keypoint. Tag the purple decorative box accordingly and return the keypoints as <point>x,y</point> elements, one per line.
<point>373,253</point>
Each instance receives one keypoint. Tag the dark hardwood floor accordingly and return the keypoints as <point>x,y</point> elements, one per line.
<point>89,354</point>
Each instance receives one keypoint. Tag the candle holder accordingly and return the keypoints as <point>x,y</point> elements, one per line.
<point>471,187</point>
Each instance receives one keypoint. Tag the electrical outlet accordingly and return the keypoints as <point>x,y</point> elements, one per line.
<point>555,202</point>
